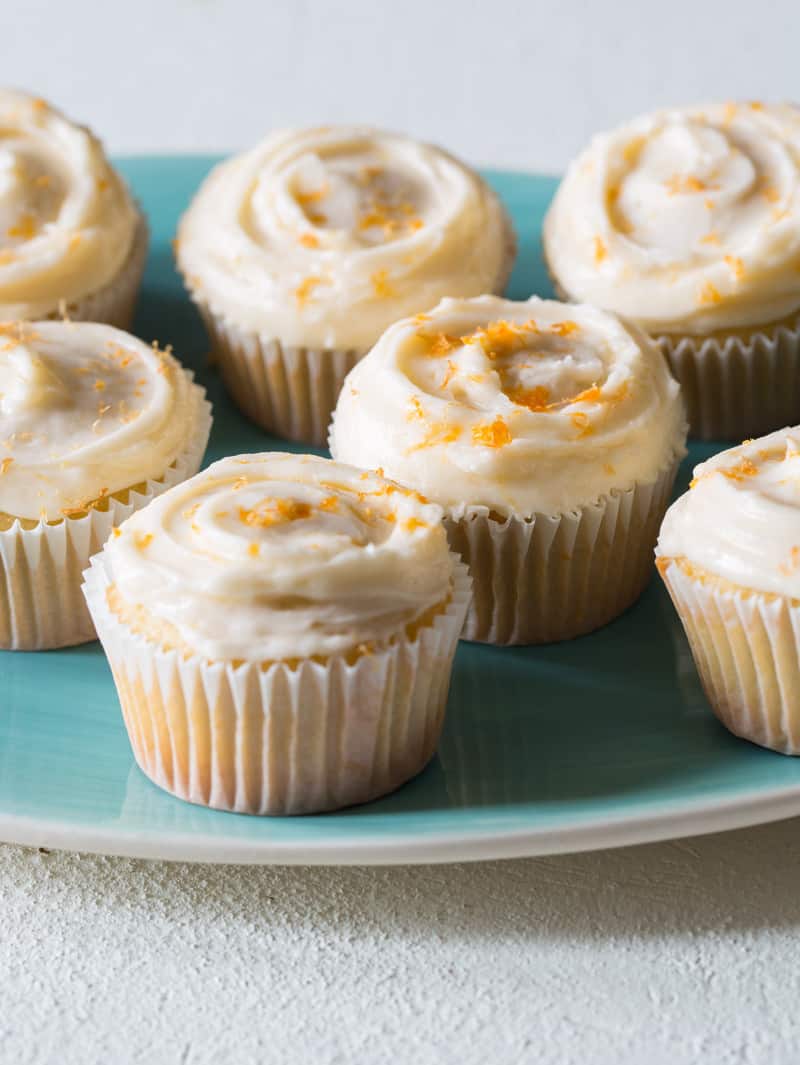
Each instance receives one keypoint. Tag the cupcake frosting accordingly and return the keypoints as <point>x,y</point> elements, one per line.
<point>85,411</point>
<point>686,220</point>
<point>67,221</point>
<point>534,407</point>
<point>741,518</point>
<point>275,556</point>
<point>323,237</point>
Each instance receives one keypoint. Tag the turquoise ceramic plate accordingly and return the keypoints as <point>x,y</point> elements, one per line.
<point>601,741</point>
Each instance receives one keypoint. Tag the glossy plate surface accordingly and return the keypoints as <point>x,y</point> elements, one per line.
<point>601,741</point>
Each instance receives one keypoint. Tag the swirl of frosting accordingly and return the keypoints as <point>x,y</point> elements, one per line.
<point>86,410</point>
<point>67,221</point>
<point>323,237</point>
<point>525,408</point>
<point>276,556</point>
<point>686,221</point>
<point>741,518</point>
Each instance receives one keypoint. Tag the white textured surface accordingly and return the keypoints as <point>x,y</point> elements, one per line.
<point>512,82</point>
<point>669,954</point>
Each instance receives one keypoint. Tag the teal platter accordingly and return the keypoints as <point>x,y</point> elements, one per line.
<point>602,741</point>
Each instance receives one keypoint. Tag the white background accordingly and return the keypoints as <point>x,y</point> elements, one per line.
<point>672,954</point>
<point>503,82</point>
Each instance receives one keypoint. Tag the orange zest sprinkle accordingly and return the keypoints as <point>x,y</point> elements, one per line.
<point>308,240</point>
<point>4,465</point>
<point>535,399</point>
<point>314,196</point>
<point>412,524</point>
<point>99,385</point>
<point>330,504</point>
<point>741,471</point>
<point>770,194</point>
<point>600,250</point>
<point>564,329</point>
<point>380,283</point>
<point>710,238</point>
<point>274,512</point>
<point>452,370</point>
<point>681,184</point>
<point>709,204</point>
<point>417,413</point>
<point>143,540</point>
<point>116,532</point>
<point>709,293</point>
<point>25,227</point>
<point>303,291</point>
<point>580,420</point>
<point>439,433</point>
<point>253,549</point>
<point>736,265</point>
<point>492,434</point>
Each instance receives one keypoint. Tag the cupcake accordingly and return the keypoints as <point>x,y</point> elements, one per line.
<point>688,223</point>
<point>729,554</point>
<point>93,425</point>
<point>281,630</point>
<point>549,433</point>
<point>300,253</point>
<point>72,241</point>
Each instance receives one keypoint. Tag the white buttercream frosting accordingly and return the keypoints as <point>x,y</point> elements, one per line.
<point>86,410</point>
<point>323,237</point>
<point>686,220</point>
<point>276,556</point>
<point>67,221</point>
<point>741,518</point>
<point>533,407</point>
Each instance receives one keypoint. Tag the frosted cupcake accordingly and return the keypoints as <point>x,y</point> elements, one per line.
<point>281,630</point>
<point>688,222</point>
<point>729,553</point>
<point>72,241</point>
<point>300,252</point>
<point>93,425</point>
<point>549,433</point>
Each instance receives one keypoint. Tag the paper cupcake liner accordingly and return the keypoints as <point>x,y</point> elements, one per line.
<point>41,568</point>
<point>746,646</point>
<point>280,738</point>
<point>553,577</point>
<point>289,391</point>
<point>114,303</point>
<point>739,386</point>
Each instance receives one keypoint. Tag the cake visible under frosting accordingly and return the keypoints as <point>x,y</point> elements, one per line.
<point>533,407</point>
<point>86,410</point>
<point>686,220</point>
<point>323,237</point>
<point>741,518</point>
<point>67,221</point>
<point>276,556</point>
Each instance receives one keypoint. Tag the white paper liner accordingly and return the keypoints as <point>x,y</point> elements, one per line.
<point>738,387</point>
<point>114,303</point>
<point>291,390</point>
<point>554,577</point>
<point>281,739</point>
<point>41,569</point>
<point>746,646</point>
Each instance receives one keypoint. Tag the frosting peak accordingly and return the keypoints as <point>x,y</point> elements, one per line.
<point>274,556</point>
<point>323,237</point>
<point>67,222</point>
<point>85,411</point>
<point>741,518</point>
<point>526,407</point>
<point>686,220</point>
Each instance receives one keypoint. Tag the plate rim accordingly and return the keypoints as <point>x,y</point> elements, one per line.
<point>693,818</point>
